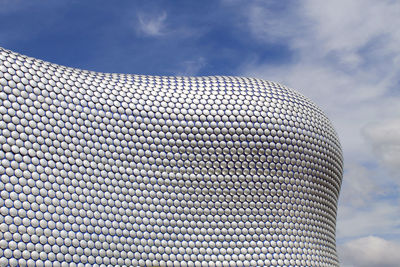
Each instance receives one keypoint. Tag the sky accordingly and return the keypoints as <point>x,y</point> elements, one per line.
<point>342,54</point>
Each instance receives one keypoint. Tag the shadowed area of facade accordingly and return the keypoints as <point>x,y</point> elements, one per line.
<point>112,169</point>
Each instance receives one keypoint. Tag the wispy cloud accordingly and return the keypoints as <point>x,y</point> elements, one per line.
<point>150,24</point>
<point>191,67</point>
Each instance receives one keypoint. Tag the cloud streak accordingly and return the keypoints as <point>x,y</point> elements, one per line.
<point>191,67</point>
<point>153,25</point>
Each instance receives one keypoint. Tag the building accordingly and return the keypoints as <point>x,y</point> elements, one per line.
<point>114,169</point>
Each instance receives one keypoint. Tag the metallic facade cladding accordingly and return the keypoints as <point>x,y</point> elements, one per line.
<point>101,169</point>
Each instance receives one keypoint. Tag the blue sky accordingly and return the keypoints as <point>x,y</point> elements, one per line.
<point>343,54</point>
<point>160,38</point>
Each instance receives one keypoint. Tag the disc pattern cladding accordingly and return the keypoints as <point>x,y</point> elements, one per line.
<point>110,169</point>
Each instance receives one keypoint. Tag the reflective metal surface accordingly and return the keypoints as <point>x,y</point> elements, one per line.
<point>110,169</point>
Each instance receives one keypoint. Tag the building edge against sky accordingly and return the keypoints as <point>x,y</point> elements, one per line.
<point>118,169</point>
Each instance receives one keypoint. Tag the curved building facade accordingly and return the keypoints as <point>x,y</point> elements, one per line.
<point>102,169</point>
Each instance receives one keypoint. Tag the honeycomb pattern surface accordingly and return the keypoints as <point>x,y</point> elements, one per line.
<point>101,169</point>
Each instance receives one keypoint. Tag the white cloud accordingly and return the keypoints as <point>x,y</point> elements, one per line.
<point>345,57</point>
<point>152,24</point>
<point>340,47</point>
<point>370,251</point>
<point>348,26</point>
